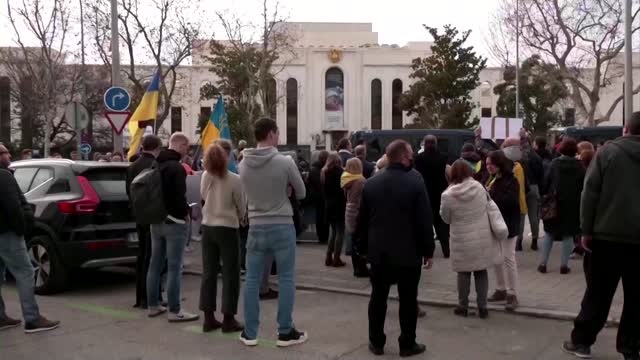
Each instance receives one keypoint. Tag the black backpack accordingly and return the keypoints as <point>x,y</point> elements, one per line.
<point>147,197</point>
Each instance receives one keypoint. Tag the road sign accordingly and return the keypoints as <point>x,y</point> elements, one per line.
<point>117,99</point>
<point>118,120</point>
<point>77,114</point>
<point>85,149</point>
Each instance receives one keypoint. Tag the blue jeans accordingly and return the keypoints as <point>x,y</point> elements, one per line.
<point>567,247</point>
<point>167,243</point>
<point>278,241</point>
<point>14,257</point>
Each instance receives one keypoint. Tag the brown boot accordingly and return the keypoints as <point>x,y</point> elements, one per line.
<point>337,262</point>
<point>498,296</point>
<point>230,324</point>
<point>512,303</point>
<point>328,261</point>
<point>210,322</point>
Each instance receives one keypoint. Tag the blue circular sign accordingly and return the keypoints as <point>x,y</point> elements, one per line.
<point>117,99</point>
<point>85,149</point>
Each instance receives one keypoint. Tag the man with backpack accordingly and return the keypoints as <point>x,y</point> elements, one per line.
<point>160,199</point>
<point>266,176</point>
<point>151,146</point>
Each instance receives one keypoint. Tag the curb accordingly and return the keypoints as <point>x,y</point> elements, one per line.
<point>522,310</point>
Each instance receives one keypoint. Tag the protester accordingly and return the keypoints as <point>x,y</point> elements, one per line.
<point>56,155</point>
<point>17,221</point>
<point>610,227</point>
<point>564,185</point>
<point>151,146</point>
<point>266,176</point>
<point>352,181</point>
<point>395,226</point>
<point>242,144</point>
<point>335,204</point>
<point>534,173</point>
<point>317,198</point>
<point>97,156</point>
<point>168,239</point>
<point>345,151</point>
<point>27,154</point>
<point>75,155</point>
<point>464,208</point>
<point>586,152</point>
<point>226,145</point>
<point>432,165</point>
<point>382,163</point>
<point>117,157</point>
<point>513,151</point>
<point>471,157</point>
<point>504,190</point>
<point>368,168</point>
<point>186,164</point>
<point>224,207</point>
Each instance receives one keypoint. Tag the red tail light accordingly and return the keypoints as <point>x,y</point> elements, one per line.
<point>88,204</point>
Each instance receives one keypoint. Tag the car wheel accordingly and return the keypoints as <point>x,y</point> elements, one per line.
<point>50,276</point>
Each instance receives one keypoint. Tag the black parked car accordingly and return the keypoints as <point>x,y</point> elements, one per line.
<point>82,218</point>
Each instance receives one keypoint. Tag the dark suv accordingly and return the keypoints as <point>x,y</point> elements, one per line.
<point>82,218</point>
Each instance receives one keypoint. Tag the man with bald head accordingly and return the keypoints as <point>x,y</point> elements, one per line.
<point>368,168</point>
<point>17,219</point>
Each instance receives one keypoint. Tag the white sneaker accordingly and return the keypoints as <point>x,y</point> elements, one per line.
<point>246,341</point>
<point>156,311</point>
<point>182,316</point>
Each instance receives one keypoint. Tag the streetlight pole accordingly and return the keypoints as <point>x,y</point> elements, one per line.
<point>517,58</point>
<point>628,63</point>
<point>115,64</point>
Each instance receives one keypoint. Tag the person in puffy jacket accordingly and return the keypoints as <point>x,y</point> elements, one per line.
<point>352,181</point>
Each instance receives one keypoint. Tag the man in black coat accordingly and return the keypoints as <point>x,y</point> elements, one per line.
<point>368,168</point>
<point>534,172</point>
<point>395,228</point>
<point>16,219</point>
<point>151,146</point>
<point>344,150</point>
<point>432,165</point>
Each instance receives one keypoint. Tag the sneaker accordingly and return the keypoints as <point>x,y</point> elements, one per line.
<point>542,269</point>
<point>182,316</point>
<point>248,342</point>
<point>294,337</point>
<point>40,325</point>
<point>269,295</point>
<point>512,303</point>
<point>8,323</point>
<point>498,296</point>
<point>581,351</point>
<point>155,311</point>
<point>416,349</point>
<point>564,270</point>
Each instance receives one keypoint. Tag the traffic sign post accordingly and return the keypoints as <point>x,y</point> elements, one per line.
<point>85,149</point>
<point>77,114</point>
<point>117,101</point>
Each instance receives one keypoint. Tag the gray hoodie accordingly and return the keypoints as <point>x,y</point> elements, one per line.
<point>266,175</point>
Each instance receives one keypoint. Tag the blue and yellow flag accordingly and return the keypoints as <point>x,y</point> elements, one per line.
<point>147,111</point>
<point>218,128</point>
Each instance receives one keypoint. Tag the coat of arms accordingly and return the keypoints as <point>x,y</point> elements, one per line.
<point>335,56</point>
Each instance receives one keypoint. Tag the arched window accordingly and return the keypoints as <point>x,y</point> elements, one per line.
<point>334,98</point>
<point>396,112</point>
<point>292,111</point>
<point>376,104</point>
<point>272,106</point>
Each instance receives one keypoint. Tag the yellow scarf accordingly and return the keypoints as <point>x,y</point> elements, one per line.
<point>346,178</point>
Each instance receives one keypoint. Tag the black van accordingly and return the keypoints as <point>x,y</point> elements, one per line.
<point>596,135</point>
<point>450,141</point>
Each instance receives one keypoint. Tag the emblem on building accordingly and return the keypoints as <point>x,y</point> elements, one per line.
<point>335,55</point>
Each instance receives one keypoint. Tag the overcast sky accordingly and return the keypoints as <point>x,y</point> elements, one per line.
<point>396,21</point>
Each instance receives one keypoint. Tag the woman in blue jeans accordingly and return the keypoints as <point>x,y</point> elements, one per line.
<point>564,183</point>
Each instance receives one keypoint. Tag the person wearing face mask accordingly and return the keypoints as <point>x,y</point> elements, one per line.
<point>512,150</point>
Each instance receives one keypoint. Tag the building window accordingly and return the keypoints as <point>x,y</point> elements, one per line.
<point>334,98</point>
<point>570,116</point>
<point>272,101</point>
<point>376,104</point>
<point>292,111</point>
<point>485,112</point>
<point>176,119</point>
<point>205,116</point>
<point>396,111</point>
<point>5,110</point>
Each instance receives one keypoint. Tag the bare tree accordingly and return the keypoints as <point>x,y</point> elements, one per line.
<point>582,37</point>
<point>156,32</point>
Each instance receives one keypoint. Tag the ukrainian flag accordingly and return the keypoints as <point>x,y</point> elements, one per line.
<point>147,111</point>
<point>218,128</point>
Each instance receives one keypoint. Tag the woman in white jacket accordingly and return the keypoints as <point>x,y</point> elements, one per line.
<point>464,207</point>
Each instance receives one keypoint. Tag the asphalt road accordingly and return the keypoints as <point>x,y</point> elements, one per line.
<point>98,322</point>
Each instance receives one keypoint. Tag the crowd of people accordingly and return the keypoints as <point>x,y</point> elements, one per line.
<point>386,216</point>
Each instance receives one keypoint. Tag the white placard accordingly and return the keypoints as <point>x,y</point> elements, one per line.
<point>500,128</point>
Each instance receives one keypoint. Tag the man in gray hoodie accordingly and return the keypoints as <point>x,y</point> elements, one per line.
<point>266,176</point>
<point>611,233</point>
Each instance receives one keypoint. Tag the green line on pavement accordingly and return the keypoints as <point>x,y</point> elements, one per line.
<point>102,310</point>
<point>235,336</point>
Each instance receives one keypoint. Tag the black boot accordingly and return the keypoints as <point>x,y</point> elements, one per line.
<point>534,244</point>
<point>210,322</point>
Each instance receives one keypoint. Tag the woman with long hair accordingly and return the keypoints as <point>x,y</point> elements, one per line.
<point>352,181</point>
<point>505,192</point>
<point>564,183</point>
<point>225,205</point>
<point>335,204</point>
<point>315,193</point>
<point>464,207</point>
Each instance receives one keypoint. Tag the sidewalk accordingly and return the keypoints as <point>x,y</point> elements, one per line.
<point>548,295</point>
